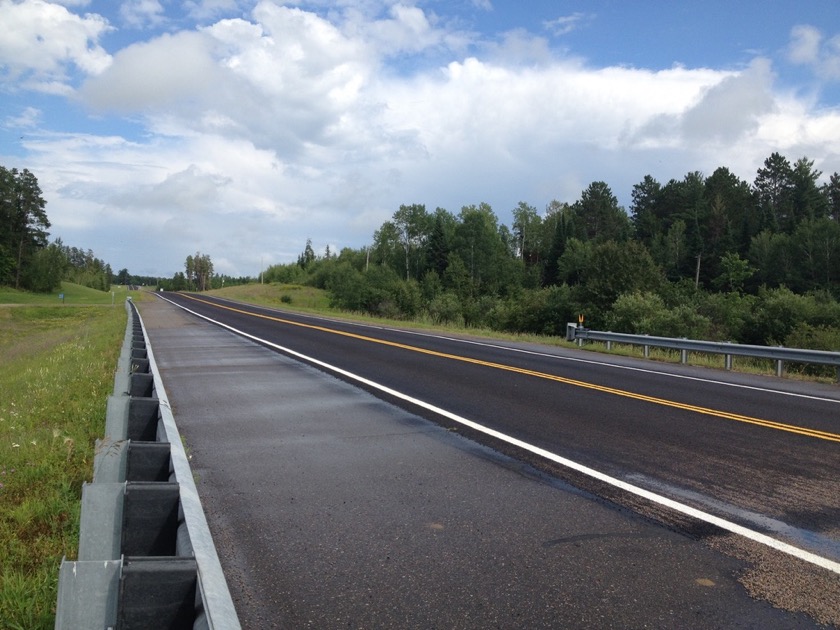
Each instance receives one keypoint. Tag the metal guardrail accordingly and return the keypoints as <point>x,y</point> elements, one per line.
<point>781,355</point>
<point>146,557</point>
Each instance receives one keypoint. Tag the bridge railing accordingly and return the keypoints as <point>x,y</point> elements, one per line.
<point>780,355</point>
<point>146,558</point>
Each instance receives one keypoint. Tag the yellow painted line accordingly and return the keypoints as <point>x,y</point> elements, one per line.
<point>815,433</point>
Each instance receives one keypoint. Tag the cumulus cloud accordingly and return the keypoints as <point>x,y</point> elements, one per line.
<point>171,70</point>
<point>723,112</point>
<point>810,47</point>
<point>40,40</point>
<point>290,81</point>
<point>732,108</point>
<point>142,13</point>
<point>318,119</point>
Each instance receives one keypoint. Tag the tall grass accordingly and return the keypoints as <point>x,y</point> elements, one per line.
<point>56,372</point>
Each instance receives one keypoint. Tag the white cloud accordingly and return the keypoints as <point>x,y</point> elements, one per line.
<point>406,30</point>
<point>30,117</point>
<point>804,46</point>
<point>171,70</point>
<point>285,124</point>
<point>809,47</point>
<point>39,40</point>
<point>289,81</point>
<point>565,24</point>
<point>142,13</point>
<point>519,48</point>
<point>205,9</point>
<point>722,113</point>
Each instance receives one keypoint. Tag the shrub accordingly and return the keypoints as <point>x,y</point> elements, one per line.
<point>778,312</point>
<point>632,312</point>
<point>644,313</point>
<point>541,311</point>
<point>813,338</point>
<point>729,314</point>
<point>446,309</point>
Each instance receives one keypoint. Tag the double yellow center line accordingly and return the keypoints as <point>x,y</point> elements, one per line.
<point>779,426</point>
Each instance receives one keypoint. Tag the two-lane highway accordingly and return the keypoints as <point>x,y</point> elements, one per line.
<point>761,454</point>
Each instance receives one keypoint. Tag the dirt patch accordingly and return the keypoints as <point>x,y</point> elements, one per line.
<point>785,582</point>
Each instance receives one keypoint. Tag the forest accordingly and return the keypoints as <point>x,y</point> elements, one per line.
<point>707,257</point>
<point>27,259</point>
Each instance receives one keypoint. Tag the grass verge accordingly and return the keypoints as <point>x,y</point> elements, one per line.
<point>56,372</point>
<point>294,296</point>
<point>68,295</point>
<point>309,299</point>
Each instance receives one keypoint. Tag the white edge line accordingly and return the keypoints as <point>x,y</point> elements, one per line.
<point>724,524</point>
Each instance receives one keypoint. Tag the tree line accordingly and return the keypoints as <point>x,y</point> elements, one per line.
<point>712,257</point>
<point>27,259</point>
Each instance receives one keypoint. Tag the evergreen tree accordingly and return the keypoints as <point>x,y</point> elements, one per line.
<point>773,188</point>
<point>831,192</point>
<point>645,210</point>
<point>599,216</point>
<point>23,224</point>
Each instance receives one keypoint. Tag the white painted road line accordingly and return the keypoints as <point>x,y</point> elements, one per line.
<point>676,506</point>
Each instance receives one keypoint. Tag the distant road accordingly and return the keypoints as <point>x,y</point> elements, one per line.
<point>759,453</point>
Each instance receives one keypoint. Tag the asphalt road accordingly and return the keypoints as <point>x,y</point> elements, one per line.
<point>395,518</point>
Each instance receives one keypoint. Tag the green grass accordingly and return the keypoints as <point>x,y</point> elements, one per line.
<point>56,372</point>
<point>293,296</point>
<point>74,295</point>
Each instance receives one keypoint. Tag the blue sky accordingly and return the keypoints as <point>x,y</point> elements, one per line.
<point>241,128</point>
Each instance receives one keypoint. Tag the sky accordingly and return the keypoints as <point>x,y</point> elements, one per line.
<point>242,128</point>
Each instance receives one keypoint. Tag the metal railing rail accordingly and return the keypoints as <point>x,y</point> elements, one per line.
<point>146,558</point>
<point>779,354</point>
